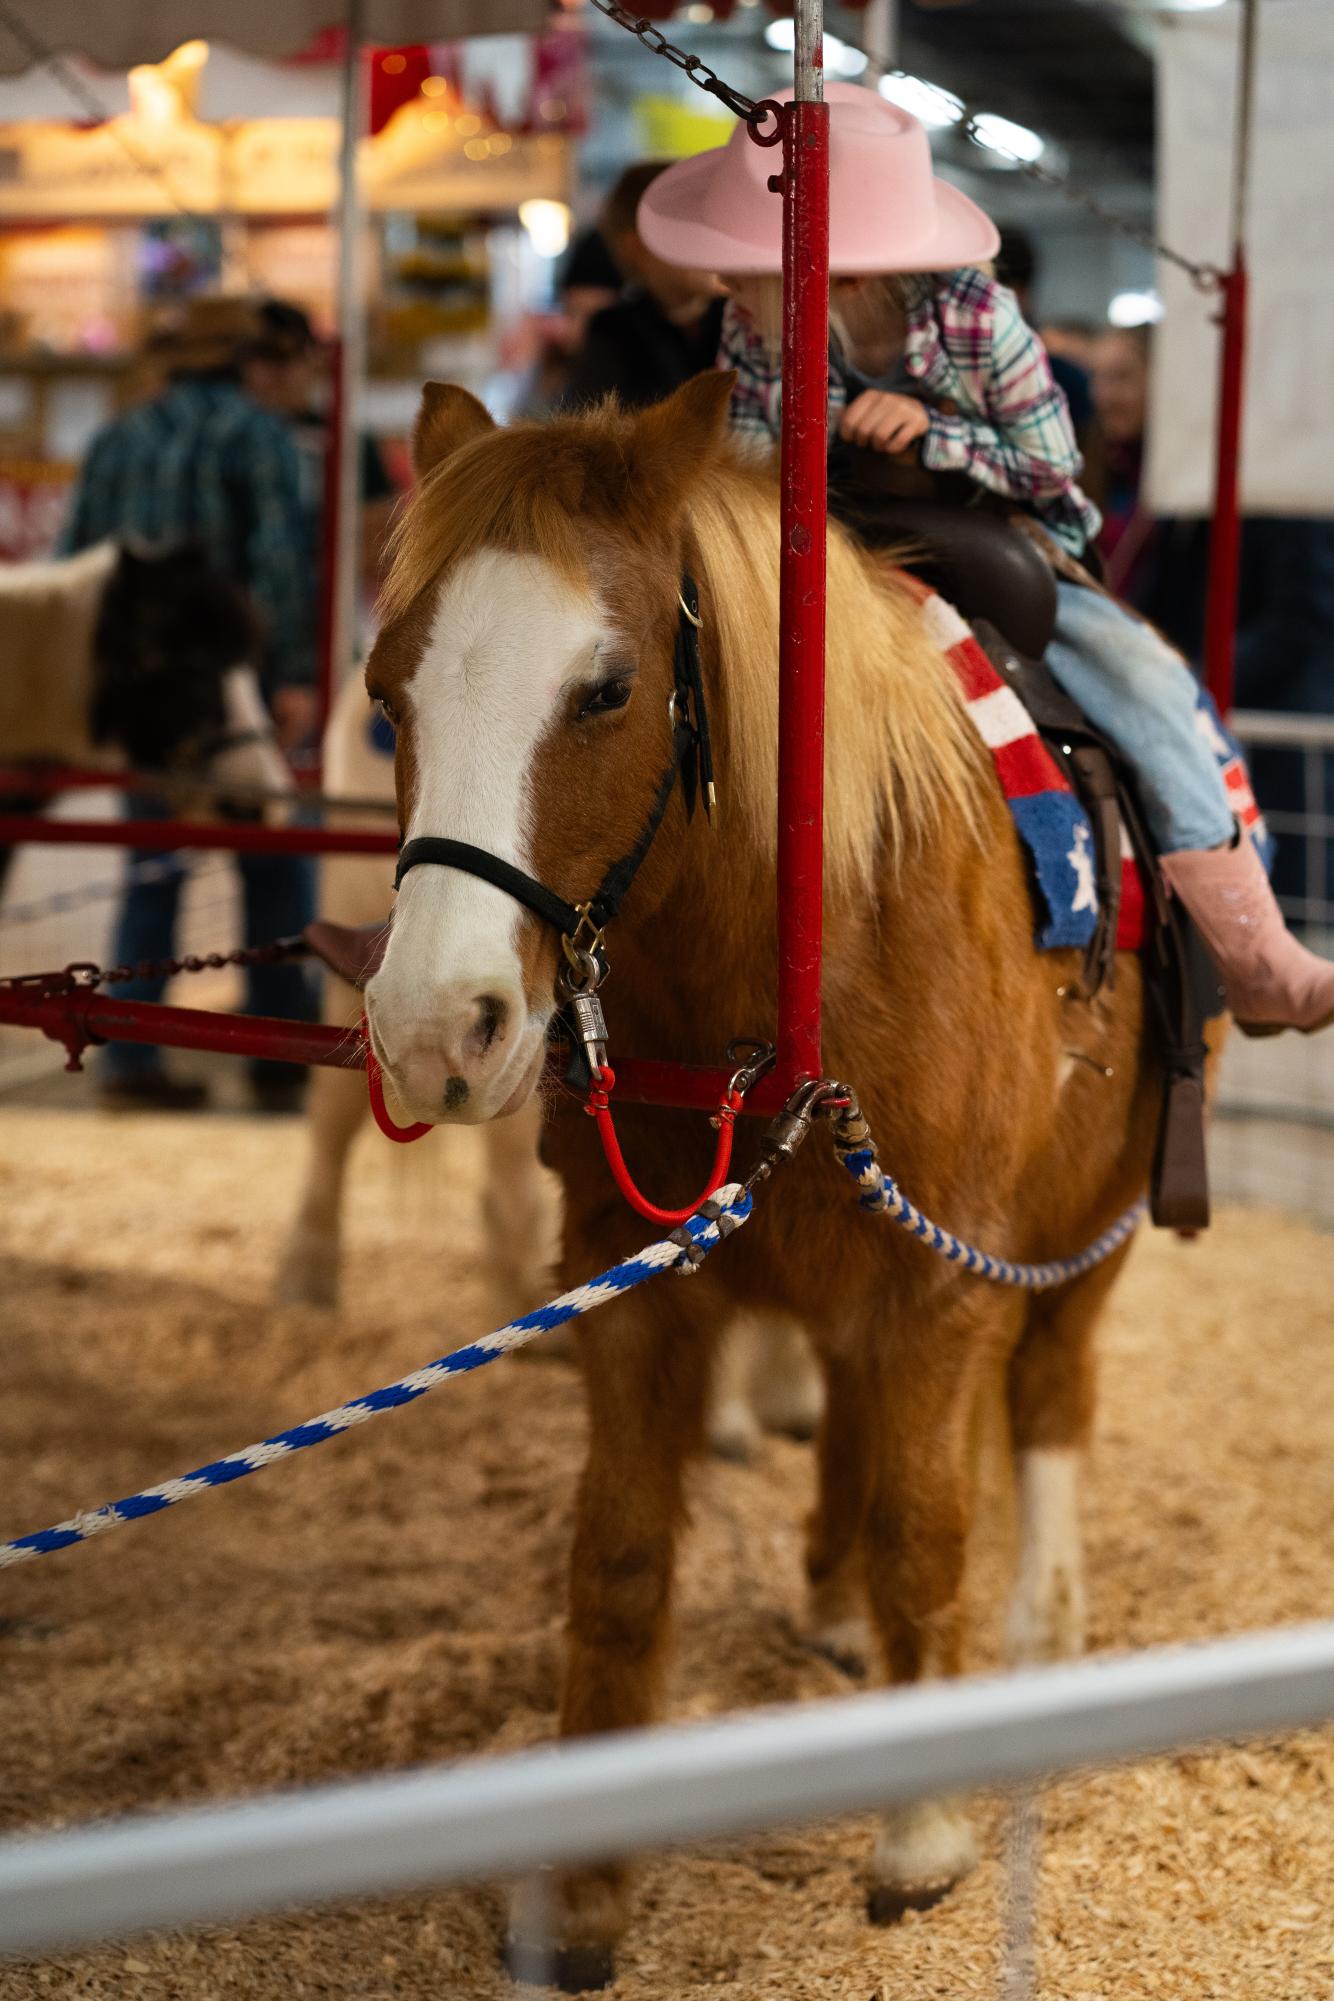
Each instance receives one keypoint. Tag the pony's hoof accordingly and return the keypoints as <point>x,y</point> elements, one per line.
<point>921,1852</point>
<point>734,1434</point>
<point>847,1643</point>
<point>572,1969</point>
<point>308,1275</point>
<point>887,1902</point>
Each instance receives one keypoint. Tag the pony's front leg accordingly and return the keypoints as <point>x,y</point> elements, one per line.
<point>645,1361</point>
<point>918,1515</point>
<point>336,1105</point>
<point>1051,1399</point>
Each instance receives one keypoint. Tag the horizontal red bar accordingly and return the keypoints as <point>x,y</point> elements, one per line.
<point>234,837</point>
<point>49,779</point>
<point>88,1018</point>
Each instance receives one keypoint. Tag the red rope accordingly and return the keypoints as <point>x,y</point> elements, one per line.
<point>383,1117</point>
<point>599,1108</point>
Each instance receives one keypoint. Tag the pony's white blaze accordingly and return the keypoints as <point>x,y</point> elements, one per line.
<point>508,636</point>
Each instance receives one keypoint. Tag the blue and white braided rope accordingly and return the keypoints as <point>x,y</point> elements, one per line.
<point>717,1219</point>
<point>882,1196</point>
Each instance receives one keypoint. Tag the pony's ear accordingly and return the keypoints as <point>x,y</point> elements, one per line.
<point>673,439</point>
<point>449,417</point>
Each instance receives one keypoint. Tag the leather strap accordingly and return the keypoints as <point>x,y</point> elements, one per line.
<point>524,888</point>
<point>692,762</point>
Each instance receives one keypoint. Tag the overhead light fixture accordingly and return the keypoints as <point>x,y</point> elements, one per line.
<point>840,58</point>
<point>1135,309</point>
<point>1007,140</point>
<point>547,225</point>
<point>935,107</point>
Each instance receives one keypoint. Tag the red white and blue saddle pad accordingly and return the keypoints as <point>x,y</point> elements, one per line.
<point>1048,817</point>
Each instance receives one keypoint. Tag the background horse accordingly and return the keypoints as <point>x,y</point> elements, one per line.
<point>527,660</point>
<point>114,656</point>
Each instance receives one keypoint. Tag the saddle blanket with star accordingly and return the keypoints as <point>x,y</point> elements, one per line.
<point>1048,816</point>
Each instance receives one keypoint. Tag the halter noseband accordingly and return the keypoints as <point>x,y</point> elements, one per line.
<point>581,924</point>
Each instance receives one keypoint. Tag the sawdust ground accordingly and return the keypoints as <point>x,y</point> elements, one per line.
<point>396,1596</point>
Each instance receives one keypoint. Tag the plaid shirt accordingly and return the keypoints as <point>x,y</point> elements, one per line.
<point>202,462</point>
<point>1007,424</point>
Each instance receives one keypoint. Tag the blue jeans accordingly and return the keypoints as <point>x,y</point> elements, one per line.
<point>1139,691</point>
<point>278,892</point>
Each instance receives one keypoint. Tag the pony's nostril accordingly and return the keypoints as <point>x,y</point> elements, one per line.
<point>492,1014</point>
<point>456,1093</point>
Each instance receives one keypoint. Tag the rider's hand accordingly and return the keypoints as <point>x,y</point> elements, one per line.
<point>883,421</point>
<point>296,715</point>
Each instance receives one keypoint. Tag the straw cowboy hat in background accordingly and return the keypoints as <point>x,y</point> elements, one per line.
<point>887,210</point>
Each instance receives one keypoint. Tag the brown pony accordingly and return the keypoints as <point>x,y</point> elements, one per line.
<point>527,660</point>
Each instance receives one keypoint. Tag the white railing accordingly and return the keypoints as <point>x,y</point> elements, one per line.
<point>505,1817</point>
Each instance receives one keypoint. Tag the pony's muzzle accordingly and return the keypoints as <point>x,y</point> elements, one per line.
<point>455,1065</point>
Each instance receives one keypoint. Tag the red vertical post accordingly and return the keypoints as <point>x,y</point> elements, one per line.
<point>805,443</point>
<point>1220,621</point>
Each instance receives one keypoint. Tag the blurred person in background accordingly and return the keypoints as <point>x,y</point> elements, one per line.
<point>1017,266</point>
<point>283,370</point>
<point>203,462</point>
<point>664,328</point>
<point>1285,598</point>
<point>538,352</point>
<point>1121,360</point>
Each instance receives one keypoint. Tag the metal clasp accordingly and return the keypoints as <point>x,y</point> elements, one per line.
<point>585,951</point>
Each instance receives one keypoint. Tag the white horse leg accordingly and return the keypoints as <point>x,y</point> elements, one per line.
<point>336,1105</point>
<point>520,1214</point>
<point>787,1385</point>
<point>732,1427</point>
<point>1047,1611</point>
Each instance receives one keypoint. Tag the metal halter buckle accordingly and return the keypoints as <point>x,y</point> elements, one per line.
<point>585,951</point>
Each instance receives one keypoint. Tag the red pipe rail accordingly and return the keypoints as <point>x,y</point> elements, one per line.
<point>80,1018</point>
<point>238,837</point>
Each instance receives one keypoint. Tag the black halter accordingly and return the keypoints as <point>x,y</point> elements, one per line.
<point>581,924</point>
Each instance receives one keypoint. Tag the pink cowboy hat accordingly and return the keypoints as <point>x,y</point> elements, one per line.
<point>887,210</point>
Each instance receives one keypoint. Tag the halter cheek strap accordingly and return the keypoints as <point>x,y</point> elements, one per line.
<point>581,924</point>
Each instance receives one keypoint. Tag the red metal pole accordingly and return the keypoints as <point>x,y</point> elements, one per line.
<point>234,837</point>
<point>1220,625</point>
<point>805,444</point>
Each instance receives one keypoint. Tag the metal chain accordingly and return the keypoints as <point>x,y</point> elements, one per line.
<point>694,66</point>
<point>82,973</point>
<point>1206,276</point>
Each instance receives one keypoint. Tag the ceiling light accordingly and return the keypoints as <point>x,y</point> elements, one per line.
<point>1135,309</point>
<point>1006,139</point>
<point>840,58</point>
<point>935,107</point>
<point>547,224</point>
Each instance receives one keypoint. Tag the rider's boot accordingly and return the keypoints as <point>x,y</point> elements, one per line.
<point>1271,982</point>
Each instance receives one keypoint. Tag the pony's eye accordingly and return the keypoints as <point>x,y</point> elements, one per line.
<point>604,701</point>
<point>386,709</point>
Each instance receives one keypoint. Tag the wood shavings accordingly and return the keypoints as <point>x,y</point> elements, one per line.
<point>347,1613</point>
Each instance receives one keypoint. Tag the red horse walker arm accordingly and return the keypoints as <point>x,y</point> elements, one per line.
<point>599,1108</point>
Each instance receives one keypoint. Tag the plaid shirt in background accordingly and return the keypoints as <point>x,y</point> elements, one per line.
<point>967,345</point>
<point>205,463</point>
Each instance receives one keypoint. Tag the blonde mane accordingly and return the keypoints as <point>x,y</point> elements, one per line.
<point>901,756</point>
